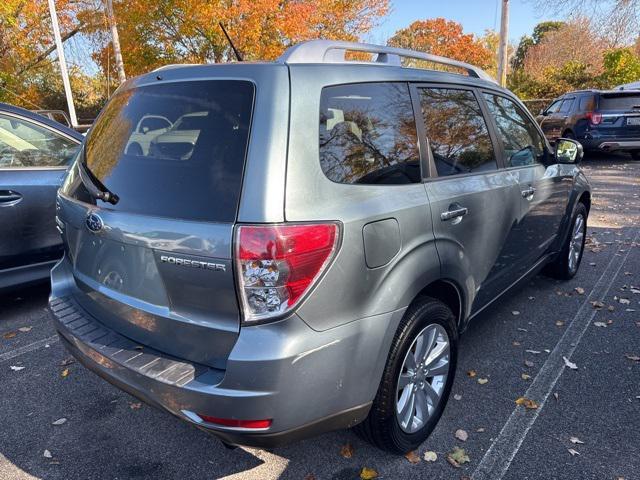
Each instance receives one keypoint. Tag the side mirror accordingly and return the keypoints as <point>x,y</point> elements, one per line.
<point>568,151</point>
<point>145,130</point>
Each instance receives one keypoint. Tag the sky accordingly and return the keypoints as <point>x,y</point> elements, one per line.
<point>475,16</point>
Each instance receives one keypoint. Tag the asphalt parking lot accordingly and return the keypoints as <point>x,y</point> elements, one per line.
<point>586,424</point>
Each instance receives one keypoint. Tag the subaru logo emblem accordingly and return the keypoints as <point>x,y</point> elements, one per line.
<point>94,222</point>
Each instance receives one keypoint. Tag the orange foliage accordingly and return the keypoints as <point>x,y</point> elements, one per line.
<point>446,38</point>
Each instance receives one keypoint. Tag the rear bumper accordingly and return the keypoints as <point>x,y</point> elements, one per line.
<point>306,381</point>
<point>609,143</point>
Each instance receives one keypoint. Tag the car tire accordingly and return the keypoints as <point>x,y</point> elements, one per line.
<point>635,154</point>
<point>384,426</point>
<point>566,264</point>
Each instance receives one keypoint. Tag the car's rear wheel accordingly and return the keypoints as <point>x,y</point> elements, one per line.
<point>417,379</point>
<point>566,264</point>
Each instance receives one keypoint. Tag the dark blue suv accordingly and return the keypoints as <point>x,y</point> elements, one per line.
<point>600,120</point>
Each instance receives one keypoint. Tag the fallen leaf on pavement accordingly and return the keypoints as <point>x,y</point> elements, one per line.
<point>559,323</point>
<point>368,473</point>
<point>430,456</point>
<point>65,373</point>
<point>527,403</point>
<point>524,376</point>
<point>135,406</point>
<point>535,352</point>
<point>482,381</point>
<point>569,364</point>
<point>67,361</point>
<point>472,373</point>
<point>579,290</point>
<point>457,396</point>
<point>9,335</point>
<point>529,363</point>
<point>413,457</point>
<point>457,457</point>
<point>611,308</point>
<point>596,304</point>
<point>624,301</point>
<point>600,324</point>
<point>47,454</point>
<point>25,329</point>
<point>346,451</point>
<point>515,312</point>
<point>575,440</point>
<point>60,421</point>
<point>480,430</point>
<point>573,452</point>
<point>16,369</point>
<point>633,358</point>
<point>556,396</point>
<point>516,343</point>
<point>461,435</point>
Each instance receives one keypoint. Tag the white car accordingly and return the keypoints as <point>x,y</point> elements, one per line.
<point>148,128</point>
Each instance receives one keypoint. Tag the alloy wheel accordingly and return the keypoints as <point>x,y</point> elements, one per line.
<point>422,378</point>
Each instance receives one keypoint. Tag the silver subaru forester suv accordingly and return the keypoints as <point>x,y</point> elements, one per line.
<point>273,250</point>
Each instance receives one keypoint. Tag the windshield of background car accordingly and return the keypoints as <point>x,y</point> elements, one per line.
<point>175,149</point>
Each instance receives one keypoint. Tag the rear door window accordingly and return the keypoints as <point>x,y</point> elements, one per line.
<point>522,143</point>
<point>566,105</point>
<point>26,144</point>
<point>176,149</point>
<point>457,131</point>
<point>368,134</point>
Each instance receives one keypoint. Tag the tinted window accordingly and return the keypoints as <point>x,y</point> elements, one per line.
<point>554,107</point>
<point>523,144</point>
<point>368,134</point>
<point>457,132</point>
<point>189,162</point>
<point>566,105</point>
<point>587,103</point>
<point>25,144</point>
<point>620,101</point>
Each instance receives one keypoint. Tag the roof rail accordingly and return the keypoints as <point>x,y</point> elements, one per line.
<point>333,51</point>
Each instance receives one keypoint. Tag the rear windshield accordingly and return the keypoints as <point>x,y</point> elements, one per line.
<point>620,102</point>
<point>174,150</point>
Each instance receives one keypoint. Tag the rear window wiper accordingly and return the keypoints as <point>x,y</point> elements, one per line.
<point>94,186</point>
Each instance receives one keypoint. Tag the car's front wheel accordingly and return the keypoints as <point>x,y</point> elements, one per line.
<point>566,264</point>
<point>417,379</point>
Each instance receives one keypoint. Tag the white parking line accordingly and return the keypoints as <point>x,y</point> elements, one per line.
<point>28,348</point>
<point>503,450</point>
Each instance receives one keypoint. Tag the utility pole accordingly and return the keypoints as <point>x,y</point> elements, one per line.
<point>502,48</point>
<point>115,39</point>
<point>63,64</point>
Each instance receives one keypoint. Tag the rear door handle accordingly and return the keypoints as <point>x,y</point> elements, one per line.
<point>9,197</point>
<point>454,214</point>
<point>528,192</point>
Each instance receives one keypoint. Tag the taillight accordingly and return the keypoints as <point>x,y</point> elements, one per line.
<point>277,264</point>
<point>594,118</point>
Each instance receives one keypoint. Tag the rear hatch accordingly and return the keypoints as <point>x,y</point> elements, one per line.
<point>156,266</point>
<point>620,114</point>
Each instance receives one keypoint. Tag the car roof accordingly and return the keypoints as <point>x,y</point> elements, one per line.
<point>22,112</point>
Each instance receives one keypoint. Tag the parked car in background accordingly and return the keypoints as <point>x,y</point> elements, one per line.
<point>35,153</point>
<point>300,251</point>
<point>629,86</point>
<point>600,120</point>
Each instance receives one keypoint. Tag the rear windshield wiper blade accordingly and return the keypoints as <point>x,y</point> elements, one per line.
<point>94,186</point>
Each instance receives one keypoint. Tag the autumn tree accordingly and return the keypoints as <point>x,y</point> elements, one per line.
<point>165,31</point>
<point>446,38</point>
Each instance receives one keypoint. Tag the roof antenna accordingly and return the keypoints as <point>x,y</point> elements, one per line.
<point>235,50</point>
